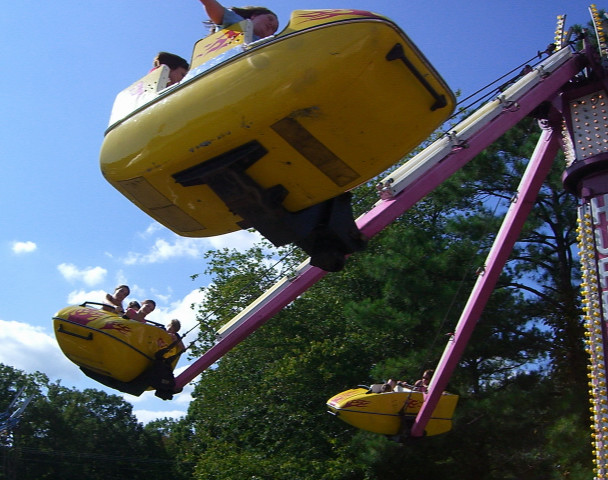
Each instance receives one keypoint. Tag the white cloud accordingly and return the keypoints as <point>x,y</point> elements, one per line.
<point>24,247</point>
<point>162,250</point>
<point>240,240</point>
<point>146,416</point>
<point>121,278</point>
<point>77,297</point>
<point>29,348</point>
<point>161,298</point>
<point>180,309</point>
<point>179,247</point>
<point>90,275</point>
<point>185,397</point>
<point>151,230</point>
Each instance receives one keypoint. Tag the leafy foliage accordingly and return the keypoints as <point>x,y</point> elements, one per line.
<point>68,434</point>
<point>259,414</point>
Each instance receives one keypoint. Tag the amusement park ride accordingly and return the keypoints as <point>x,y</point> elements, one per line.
<point>204,159</point>
<point>10,418</point>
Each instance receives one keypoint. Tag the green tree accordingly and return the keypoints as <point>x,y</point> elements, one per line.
<point>260,413</point>
<point>71,434</point>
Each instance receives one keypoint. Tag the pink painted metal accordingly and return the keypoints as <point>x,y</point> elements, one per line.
<point>536,172</point>
<point>387,211</point>
<point>308,277</point>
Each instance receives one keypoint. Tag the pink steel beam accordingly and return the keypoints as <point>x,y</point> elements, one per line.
<point>384,213</point>
<point>309,276</point>
<point>537,170</point>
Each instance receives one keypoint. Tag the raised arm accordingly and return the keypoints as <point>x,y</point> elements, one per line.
<point>215,10</point>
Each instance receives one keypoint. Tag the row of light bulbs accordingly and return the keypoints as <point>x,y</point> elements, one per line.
<point>594,343</point>
<point>599,30</point>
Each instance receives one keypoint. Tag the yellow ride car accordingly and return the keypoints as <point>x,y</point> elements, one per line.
<point>125,354</point>
<point>271,134</point>
<point>390,413</point>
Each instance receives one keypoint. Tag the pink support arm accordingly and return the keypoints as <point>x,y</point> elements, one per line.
<point>385,212</point>
<point>533,178</point>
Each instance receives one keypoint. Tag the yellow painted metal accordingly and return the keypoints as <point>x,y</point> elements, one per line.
<point>321,98</point>
<point>217,44</point>
<point>108,344</point>
<point>384,412</point>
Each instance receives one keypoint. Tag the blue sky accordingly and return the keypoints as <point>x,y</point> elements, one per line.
<point>66,235</point>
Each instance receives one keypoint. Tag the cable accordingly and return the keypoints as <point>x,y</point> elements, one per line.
<point>265,273</point>
<point>364,198</point>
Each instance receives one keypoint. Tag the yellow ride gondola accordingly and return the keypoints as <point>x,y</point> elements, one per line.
<point>124,354</point>
<point>390,413</point>
<point>271,134</point>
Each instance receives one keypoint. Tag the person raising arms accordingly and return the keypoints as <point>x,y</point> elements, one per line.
<point>265,22</point>
<point>114,300</point>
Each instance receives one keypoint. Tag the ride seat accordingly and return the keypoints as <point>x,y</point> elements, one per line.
<point>139,93</point>
<point>218,44</point>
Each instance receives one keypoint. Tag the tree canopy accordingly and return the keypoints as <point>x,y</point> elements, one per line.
<point>70,434</point>
<point>522,380</point>
<point>260,412</point>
